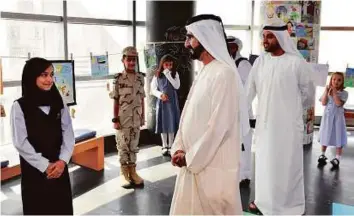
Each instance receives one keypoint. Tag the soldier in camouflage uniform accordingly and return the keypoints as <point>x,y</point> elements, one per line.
<point>128,98</point>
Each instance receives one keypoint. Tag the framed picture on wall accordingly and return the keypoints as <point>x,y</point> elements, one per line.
<point>64,77</point>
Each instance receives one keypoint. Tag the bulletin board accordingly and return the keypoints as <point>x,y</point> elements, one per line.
<point>303,21</point>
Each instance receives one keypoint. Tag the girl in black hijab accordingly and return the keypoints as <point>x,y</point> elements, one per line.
<point>43,135</point>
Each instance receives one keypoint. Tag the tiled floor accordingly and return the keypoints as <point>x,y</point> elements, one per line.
<point>100,193</point>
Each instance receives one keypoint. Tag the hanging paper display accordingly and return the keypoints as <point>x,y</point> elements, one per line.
<point>150,57</point>
<point>320,74</point>
<point>99,66</point>
<point>64,78</point>
<point>302,20</point>
<point>349,78</point>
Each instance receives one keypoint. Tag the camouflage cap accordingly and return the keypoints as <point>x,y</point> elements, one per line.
<point>130,51</point>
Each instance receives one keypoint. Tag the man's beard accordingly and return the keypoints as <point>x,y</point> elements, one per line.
<point>196,52</point>
<point>272,48</point>
<point>233,55</point>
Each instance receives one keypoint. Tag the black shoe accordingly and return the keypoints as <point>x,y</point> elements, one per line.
<point>322,160</point>
<point>335,163</point>
<point>165,151</point>
<point>252,208</point>
<point>245,183</point>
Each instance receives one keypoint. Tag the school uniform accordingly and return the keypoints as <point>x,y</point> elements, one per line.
<point>333,130</point>
<point>43,135</point>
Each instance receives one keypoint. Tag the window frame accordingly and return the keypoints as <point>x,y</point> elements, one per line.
<point>64,19</point>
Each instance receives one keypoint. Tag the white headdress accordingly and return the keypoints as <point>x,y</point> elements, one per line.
<point>232,39</point>
<point>279,29</point>
<point>209,31</point>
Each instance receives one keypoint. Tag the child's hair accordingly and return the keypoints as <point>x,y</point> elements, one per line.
<point>339,74</point>
<point>166,58</point>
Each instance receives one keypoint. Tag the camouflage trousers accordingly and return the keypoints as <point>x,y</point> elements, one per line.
<point>127,144</point>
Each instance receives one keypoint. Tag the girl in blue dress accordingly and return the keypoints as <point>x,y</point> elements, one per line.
<point>333,130</point>
<point>164,86</point>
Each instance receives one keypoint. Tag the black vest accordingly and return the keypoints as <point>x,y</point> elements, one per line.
<point>44,131</point>
<point>240,60</point>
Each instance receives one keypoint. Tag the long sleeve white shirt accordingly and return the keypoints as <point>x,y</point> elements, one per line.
<point>26,150</point>
<point>175,82</point>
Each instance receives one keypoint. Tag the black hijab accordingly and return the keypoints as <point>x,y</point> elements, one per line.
<point>33,95</point>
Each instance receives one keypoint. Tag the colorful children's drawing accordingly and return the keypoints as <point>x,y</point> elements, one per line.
<point>305,43</point>
<point>349,78</point>
<point>291,28</point>
<point>64,78</point>
<point>150,57</point>
<point>308,11</point>
<point>283,10</point>
<point>306,54</point>
<point>99,66</point>
<point>294,12</point>
<point>304,30</point>
<point>309,119</point>
<point>269,11</point>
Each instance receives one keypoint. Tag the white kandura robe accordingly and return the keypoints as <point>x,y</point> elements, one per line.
<point>209,134</point>
<point>244,69</point>
<point>283,84</point>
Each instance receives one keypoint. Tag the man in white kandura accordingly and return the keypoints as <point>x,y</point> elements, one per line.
<point>281,79</point>
<point>243,65</point>
<point>207,145</point>
<point>244,68</point>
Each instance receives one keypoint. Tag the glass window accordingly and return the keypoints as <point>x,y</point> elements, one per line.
<point>231,12</point>
<point>140,45</point>
<point>83,39</point>
<point>10,95</point>
<point>104,9</point>
<point>337,13</point>
<point>94,106</point>
<point>93,97</point>
<point>18,38</point>
<point>257,43</point>
<point>52,7</point>
<point>257,12</point>
<point>141,10</point>
<point>245,37</point>
<point>336,48</point>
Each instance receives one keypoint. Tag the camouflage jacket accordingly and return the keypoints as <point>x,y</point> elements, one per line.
<point>129,96</point>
